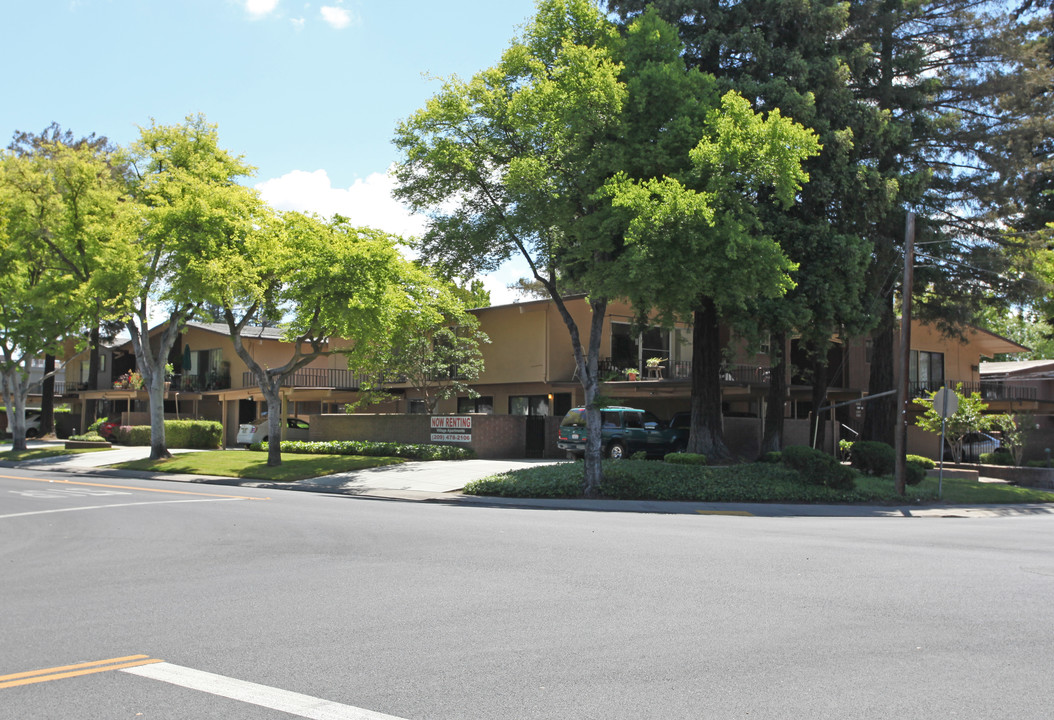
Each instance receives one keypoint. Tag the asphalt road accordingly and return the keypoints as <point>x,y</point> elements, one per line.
<point>229,602</point>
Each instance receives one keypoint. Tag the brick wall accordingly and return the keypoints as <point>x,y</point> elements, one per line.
<point>493,436</point>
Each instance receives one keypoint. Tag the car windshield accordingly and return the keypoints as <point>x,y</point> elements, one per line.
<point>575,418</point>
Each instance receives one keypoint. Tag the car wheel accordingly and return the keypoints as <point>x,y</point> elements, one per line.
<point>31,433</point>
<point>616,451</point>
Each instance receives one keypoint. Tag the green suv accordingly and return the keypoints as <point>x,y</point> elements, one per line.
<point>624,431</point>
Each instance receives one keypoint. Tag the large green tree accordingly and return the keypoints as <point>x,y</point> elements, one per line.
<point>76,190</point>
<point>39,306</point>
<point>782,56</point>
<point>551,155</point>
<point>186,190</point>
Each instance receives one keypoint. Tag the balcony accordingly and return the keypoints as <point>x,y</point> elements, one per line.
<point>316,378</point>
<point>989,391</point>
<point>681,370</point>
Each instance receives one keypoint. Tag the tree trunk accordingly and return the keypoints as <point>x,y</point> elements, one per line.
<point>707,432</point>
<point>270,388</point>
<point>14,385</point>
<point>47,398</point>
<point>156,393</point>
<point>880,417</point>
<point>820,381</point>
<point>94,341</point>
<point>152,367</point>
<point>775,411</point>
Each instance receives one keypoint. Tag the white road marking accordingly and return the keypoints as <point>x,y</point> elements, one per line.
<point>115,505</point>
<point>263,695</point>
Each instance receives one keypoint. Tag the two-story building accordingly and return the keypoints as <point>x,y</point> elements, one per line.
<point>530,370</point>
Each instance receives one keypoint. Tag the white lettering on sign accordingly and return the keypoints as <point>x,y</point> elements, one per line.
<point>453,422</point>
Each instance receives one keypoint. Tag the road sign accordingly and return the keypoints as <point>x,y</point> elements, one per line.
<point>945,402</point>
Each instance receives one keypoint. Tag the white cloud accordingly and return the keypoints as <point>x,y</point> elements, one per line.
<point>367,202</point>
<point>336,17</point>
<point>259,8</point>
<point>298,23</point>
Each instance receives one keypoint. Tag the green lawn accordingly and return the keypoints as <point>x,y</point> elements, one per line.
<point>253,465</point>
<point>42,452</point>
<point>751,483</point>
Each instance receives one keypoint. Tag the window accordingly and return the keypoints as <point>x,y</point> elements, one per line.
<point>926,370</point>
<point>482,404</point>
<point>529,405</point>
<point>417,407</point>
<point>631,350</point>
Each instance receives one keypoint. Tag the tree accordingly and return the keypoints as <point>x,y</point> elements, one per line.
<point>1014,432</point>
<point>190,204</point>
<point>968,417</point>
<point>508,164</point>
<point>435,345</point>
<point>326,281</point>
<point>701,249</point>
<point>549,154</point>
<point>783,55</point>
<point>76,190</point>
<point>38,306</point>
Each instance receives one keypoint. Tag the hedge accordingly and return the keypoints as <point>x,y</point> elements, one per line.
<point>375,449</point>
<point>685,458</point>
<point>201,434</point>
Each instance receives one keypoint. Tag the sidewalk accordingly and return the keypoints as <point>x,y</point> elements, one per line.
<point>439,481</point>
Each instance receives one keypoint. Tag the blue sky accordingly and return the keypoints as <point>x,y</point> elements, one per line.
<point>308,92</point>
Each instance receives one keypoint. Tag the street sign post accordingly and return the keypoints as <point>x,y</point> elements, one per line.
<point>945,404</point>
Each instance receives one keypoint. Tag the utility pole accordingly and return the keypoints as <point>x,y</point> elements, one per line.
<point>901,434</point>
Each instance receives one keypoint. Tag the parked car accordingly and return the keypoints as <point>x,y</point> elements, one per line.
<point>256,431</point>
<point>624,431</point>
<point>975,444</point>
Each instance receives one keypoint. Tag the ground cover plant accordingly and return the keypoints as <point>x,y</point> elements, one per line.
<point>249,465</point>
<point>750,482</point>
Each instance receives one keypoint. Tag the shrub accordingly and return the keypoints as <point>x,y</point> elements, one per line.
<point>873,458</point>
<point>639,455</point>
<point>1001,456</point>
<point>685,458</point>
<point>205,434</point>
<point>914,472</point>
<point>88,437</point>
<point>924,462</point>
<point>771,457</point>
<point>94,427</point>
<point>817,468</point>
<point>374,449</point>
<point>1040,463</point>
<point>132,435</point>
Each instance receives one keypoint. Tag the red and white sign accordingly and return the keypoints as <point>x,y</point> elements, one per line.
<point>453,428</point>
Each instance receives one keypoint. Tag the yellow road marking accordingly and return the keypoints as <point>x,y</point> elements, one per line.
<point>742,513</point>
<point>68,671</point>
<point>129,487</point>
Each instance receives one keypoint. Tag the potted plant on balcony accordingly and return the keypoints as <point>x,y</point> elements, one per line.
<point>655,367</point>
<point>632,374</point>
<point>168,376</point>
